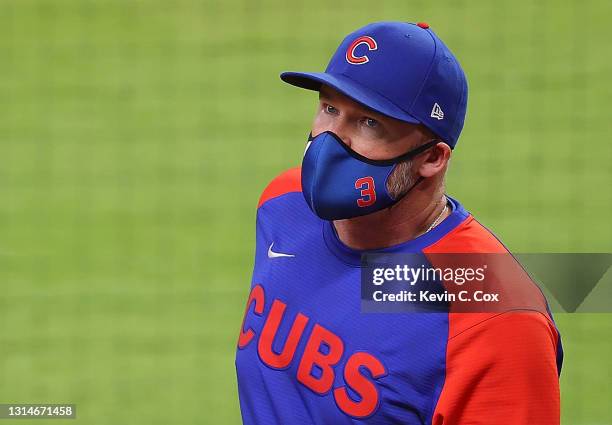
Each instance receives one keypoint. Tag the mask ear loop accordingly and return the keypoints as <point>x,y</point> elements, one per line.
<point>416,151</point>
<point>424,147</point>
<point>399,198</point>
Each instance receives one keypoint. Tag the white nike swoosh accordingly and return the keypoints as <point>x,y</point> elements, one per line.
<point>272,254</point>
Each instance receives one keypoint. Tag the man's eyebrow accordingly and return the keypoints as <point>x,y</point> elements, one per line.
<point>324,96</point>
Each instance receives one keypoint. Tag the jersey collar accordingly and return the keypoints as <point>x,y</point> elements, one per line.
<point>352,257</point>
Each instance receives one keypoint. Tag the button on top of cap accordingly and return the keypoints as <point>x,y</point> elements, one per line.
<point>423,25</point>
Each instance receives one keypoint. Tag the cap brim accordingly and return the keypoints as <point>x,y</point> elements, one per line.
<point>350,88</point>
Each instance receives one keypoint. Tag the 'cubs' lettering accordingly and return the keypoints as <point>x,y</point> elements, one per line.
<point>257,297</point>
<point>321,355</point>
<point>361,385</point>
<point>313,356</point>
<point>269,357</point>
<point>350,52</point>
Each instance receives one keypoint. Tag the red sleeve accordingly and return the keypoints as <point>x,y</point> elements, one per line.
<point>501,371</point>
<point>289,181</point>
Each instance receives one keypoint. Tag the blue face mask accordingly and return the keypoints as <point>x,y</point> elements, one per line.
<point>339,183</point>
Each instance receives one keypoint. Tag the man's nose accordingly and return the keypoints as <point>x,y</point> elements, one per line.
<point>340,129</point>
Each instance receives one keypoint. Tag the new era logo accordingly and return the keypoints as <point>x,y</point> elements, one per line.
<point>437,112</point>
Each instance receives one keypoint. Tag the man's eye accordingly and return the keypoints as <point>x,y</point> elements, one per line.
<point>370,122</point>
<point>330,109</point>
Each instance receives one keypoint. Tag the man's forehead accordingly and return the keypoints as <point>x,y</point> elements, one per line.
<point>330,93</point>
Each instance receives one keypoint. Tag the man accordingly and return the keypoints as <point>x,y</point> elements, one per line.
<point>392,103</point>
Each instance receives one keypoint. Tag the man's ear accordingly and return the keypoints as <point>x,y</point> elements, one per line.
<point>435,160</point>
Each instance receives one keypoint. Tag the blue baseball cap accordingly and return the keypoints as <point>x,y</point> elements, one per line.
<point>401,70</point>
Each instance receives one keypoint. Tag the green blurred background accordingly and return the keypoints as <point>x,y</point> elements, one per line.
<point>136,137</point>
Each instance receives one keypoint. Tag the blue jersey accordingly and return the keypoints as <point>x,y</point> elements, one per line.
<point>307,355</point>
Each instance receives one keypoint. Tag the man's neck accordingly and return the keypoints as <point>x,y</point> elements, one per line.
<point>409,218</point>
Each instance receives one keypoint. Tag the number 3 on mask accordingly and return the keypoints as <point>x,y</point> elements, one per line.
<point>368,191</point>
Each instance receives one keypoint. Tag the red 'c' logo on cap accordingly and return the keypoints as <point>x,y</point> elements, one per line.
<point>350,52</point>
